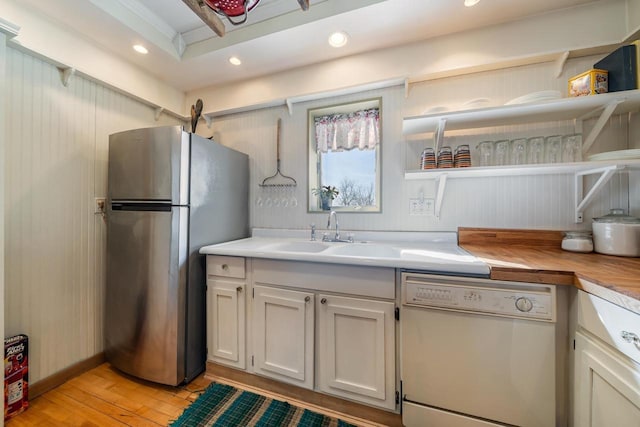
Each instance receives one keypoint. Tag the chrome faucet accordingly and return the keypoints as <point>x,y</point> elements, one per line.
<point>333,214</point>
<point>336,238</point>
<point>313,232</point>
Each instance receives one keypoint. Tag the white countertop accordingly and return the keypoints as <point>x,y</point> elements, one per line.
<point>425,251</point>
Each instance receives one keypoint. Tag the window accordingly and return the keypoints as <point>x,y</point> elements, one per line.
<point>344,157</point>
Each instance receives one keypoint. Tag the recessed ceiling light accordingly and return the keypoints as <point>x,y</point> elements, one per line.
<point>338,39</point>
<point>235,60</point>
<point>140,49</point>
<point>470,3</point>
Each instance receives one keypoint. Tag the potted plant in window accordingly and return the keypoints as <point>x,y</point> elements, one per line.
<point>327,194</point>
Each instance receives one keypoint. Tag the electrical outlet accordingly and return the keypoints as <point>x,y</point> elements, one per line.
<point>100,205</point>
<point>421,207</point>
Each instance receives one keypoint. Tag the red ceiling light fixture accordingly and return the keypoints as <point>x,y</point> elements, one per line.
<point>227,8</point>
<point>233,9</point>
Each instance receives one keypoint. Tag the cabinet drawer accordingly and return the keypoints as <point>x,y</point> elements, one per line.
<point>225,266</point>
<point>611,323</point>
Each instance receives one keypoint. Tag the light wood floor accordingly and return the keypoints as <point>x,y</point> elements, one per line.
<point>105,397</point>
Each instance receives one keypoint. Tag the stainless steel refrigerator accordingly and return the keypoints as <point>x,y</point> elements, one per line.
<point>169,193</point>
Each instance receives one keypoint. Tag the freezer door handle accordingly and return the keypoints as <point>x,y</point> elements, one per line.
<point>141,206</point>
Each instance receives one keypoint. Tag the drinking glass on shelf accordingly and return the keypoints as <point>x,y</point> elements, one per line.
<point>485,151</point>
<point>553,149</point>
<point>502,152</point>
<point>519,151</point>
<point>572,148</point>
<point>535,149</point>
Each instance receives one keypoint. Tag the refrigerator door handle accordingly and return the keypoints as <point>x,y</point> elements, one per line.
<point>141,206</point>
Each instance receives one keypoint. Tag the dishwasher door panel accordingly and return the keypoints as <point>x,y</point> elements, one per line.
<point>496,368</point>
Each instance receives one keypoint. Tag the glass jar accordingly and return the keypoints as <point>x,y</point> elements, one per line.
<point>577,241</point>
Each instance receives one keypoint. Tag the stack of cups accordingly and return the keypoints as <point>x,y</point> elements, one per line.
<point>445,157</point>
<point>462,156</point>
<point>428,159</point>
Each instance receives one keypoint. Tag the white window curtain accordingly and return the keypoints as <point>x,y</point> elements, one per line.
<point>337,132</point>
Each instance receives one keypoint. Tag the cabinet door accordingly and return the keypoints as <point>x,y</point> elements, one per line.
<point>283,327</point>
<point>357,349</point>
<point>226,322</point>
<point>607,387</point>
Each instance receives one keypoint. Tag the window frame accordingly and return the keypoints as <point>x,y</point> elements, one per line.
<point>313,159</point>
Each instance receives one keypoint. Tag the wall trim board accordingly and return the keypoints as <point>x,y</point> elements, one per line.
<point>61,46</point>
<point>8,28</point>
<point>78,73</point>
<point>52,381</point>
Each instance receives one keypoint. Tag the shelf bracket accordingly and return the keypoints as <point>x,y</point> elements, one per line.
<point>599,125</point>
<point>65,75</point>
<point>289,103</point>
<point>159,111</point>
<point>208,120</point>
<point>438,135</point>
<point>605,172</point>
<point>559,63</point>
<point>407,88</point>
<point>442,183</point>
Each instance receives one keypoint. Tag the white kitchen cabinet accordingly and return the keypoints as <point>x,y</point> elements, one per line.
<point>283,335</point>
<point>606,366</point>
<point>607,387</point>
<point>226,289</point>
<point>357,349</point>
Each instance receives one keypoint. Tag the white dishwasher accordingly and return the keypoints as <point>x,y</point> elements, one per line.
<point>478,352</point>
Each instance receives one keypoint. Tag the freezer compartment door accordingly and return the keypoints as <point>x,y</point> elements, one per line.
<point>150,164</point>
<point>146,292</point>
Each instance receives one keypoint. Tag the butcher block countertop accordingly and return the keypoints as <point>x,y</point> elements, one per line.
<point>535,256</point>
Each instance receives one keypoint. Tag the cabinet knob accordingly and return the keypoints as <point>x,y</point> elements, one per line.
<point>307,298</point>
<point>225,267</point>
<point>239,289</point>
<point>323,301</point>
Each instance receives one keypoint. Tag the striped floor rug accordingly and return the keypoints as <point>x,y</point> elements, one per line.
<point>226,406</point>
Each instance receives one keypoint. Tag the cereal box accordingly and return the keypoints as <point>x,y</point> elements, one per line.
<point>16,375</point>
<point>590,82</point>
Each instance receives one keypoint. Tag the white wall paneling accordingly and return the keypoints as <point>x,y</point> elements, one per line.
<point>56,157</point>
<point>64,47</point>
<point>517,202</point>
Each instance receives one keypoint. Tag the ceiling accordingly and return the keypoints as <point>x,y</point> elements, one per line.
<point>278,35</point>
